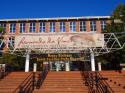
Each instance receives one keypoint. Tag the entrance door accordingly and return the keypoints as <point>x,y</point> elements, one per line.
<point>57,66</point>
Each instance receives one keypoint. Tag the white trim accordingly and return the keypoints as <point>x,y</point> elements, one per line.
<point>59,18</point>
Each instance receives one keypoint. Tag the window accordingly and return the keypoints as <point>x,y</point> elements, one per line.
<point>62,27</point>
<point>12,27</point>
<point>52,27</point>
<point>82,26</point>
<point>42,27</point>
<point>103,25</point>
<point>11,42</point>
<point>72,26</point>
<point>3,25</point>
<point>32,27</point>
<point>22,27</point>
<point>92,25</point>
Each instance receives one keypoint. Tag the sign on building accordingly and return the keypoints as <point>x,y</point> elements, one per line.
<point>59,40</point>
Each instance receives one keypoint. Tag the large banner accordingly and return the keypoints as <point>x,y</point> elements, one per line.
<point>59,40</point>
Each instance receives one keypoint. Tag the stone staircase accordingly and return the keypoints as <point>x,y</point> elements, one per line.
<point>63,82</point>
<point>12,81</point>
<point>116,80</point>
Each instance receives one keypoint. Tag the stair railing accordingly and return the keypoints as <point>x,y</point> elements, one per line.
<point>96,83</point>
<point>27,86</point>
<point>4,71</point>
<point>42,76</point>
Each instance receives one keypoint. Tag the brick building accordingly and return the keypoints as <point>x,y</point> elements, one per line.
<point>95,24</point>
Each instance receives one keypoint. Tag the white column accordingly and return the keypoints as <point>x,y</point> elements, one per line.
<point>27,62</point>
<point>92,61</point>
<point>99,66</point>
<point>34,67</point>
<point>67,66</point>
<point>50,65</point>
<point>57,66</point>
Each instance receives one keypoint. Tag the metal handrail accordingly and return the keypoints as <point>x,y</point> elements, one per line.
<point>105,83</point>
<point>96,83</point>
<point>27,86</point>
<point>4,71</point>
<point>42,77</point>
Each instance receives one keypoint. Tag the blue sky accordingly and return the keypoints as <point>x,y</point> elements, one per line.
<point>56,8</point>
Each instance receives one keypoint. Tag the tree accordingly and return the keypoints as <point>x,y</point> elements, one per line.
<point>118,14</point>
<point>115,58</point>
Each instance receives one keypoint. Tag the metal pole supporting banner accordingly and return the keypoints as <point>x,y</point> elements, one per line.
<point>34,67</point>
<point>92,60</point>
<point>27,62</point>
<point>99,66</point>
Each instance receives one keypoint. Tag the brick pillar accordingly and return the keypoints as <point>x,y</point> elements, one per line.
<point>37,27</point>
<point>57,27</point>
<point>17,29</point>
<point>98,26</point>
<point>47,27</point>
<point>87,26</point>
<point>77,26</point>
<point>27,27</point>
<point>7,28</point>
<point>67,26</point>
<point>5,37</point>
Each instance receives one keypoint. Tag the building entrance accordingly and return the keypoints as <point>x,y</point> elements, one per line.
<point>66,66</point>
<point>59,66</point>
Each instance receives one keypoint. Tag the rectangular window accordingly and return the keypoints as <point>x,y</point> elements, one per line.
<point>3,25</point>
<point>52,27</point>
<point>82,26</point>
<point>22,27</point>
<point>92,25</point>
<point>62,27</point>
<point>12,27</point>
<point>11,42</point>
<point>32,27</point>
<point>72,26</point>
<point>42,27</point>
<point>103,25</point>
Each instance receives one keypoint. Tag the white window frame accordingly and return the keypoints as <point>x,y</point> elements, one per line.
<point>53,26</point>
<point>93,26</point>
<point>13,28</point>
<point>83,26</point>
<point>72,26</point>
<point>22,27</point>
<point>32,30</point>
<point>103,24</point>
<point>63,25</point>
<point>41,26</point>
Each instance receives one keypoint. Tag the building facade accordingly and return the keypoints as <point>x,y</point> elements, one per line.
<point>95,24</point>
<point>54,25</point>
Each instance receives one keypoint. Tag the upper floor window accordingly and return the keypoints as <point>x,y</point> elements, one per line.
<point>32,27</point>
<point>22,27</point>
<point>12,27</point>
<point>92,25</point>
<point>72,26</point>
<point>103,24</point>
<point>42,27</point>
<point>3,25</point>
<point>52,27</point>
<point>62,27</point>
<point>82,26</point>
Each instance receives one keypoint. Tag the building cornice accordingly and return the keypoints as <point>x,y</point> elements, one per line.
<point>57,18</point>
